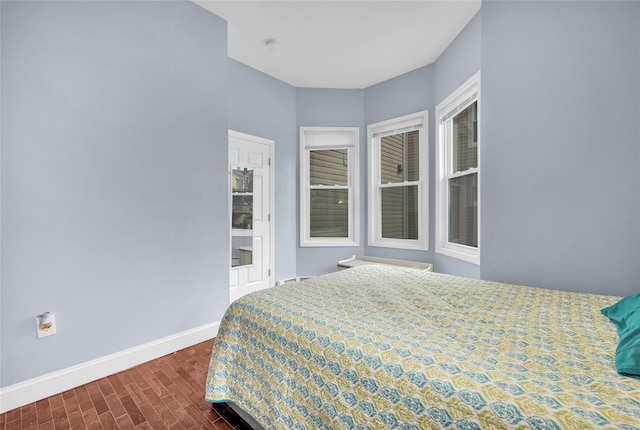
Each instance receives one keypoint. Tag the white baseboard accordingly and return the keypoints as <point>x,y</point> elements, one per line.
<point>32,390</point>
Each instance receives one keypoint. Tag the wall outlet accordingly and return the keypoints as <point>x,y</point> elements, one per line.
<point>44,332</point>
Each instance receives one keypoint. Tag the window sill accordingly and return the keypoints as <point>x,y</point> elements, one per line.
<point>327,243</point>
<point>464,253</point>
<point>400,244</point>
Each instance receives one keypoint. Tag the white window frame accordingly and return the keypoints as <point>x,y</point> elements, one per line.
<point>459,100</point>
<point>319,138</point>
<point>415,121</point>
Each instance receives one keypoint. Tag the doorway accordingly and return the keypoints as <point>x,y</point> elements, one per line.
<point>250,213</point>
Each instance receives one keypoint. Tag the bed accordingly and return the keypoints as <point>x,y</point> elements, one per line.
<point>379,347</point>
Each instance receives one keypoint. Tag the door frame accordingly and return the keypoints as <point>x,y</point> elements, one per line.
<point>270,143</point>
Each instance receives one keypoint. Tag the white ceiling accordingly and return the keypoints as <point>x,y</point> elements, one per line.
<point>340,44</point>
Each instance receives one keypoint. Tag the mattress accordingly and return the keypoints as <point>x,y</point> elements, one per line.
<point>377,347</point>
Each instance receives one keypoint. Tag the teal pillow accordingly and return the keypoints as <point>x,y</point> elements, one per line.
<point>619,312</point>
<point>628,350</point>
<point>625,315</point>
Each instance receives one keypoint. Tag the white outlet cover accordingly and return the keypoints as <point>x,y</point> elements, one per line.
<point>48,332</point>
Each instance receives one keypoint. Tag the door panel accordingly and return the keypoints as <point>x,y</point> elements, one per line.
<point>251,233</point>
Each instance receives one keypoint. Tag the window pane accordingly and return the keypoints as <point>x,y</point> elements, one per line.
<point>329,213</point>
<point>328,167</point>
<point>465,139</point>
<point>463,210</point>
<point>241,250</point>
<point>241,180</point>
<point>399,157</point>
<point>400,212</point>
<point>242,212</point>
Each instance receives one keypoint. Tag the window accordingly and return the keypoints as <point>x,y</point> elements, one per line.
<point>458,173</point>
<point>329,186</point>
<point>398,194</point>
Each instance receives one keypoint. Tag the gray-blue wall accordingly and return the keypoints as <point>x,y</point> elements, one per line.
<point>560,153</point>
<point>114,141</point>
<point>114,144</point>
<point>266,107</point>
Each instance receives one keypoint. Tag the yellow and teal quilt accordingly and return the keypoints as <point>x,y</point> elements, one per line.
<point>378,347</point>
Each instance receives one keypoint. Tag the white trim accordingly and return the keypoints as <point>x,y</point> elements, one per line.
<point>415,121</point>
<point>399,125</point>
<point>32,390</point>
<point>462,97</point>
<point>330,138</point>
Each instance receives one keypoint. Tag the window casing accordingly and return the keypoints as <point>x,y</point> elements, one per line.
<point>398,182</point>
<point>329,209</point>
<point>458,173</point>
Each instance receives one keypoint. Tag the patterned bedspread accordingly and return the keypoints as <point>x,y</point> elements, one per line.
<point>379,347</point>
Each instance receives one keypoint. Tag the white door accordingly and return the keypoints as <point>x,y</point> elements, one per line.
<point>250,209</point>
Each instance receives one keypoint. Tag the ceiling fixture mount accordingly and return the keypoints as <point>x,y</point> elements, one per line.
<point>270,44</point>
